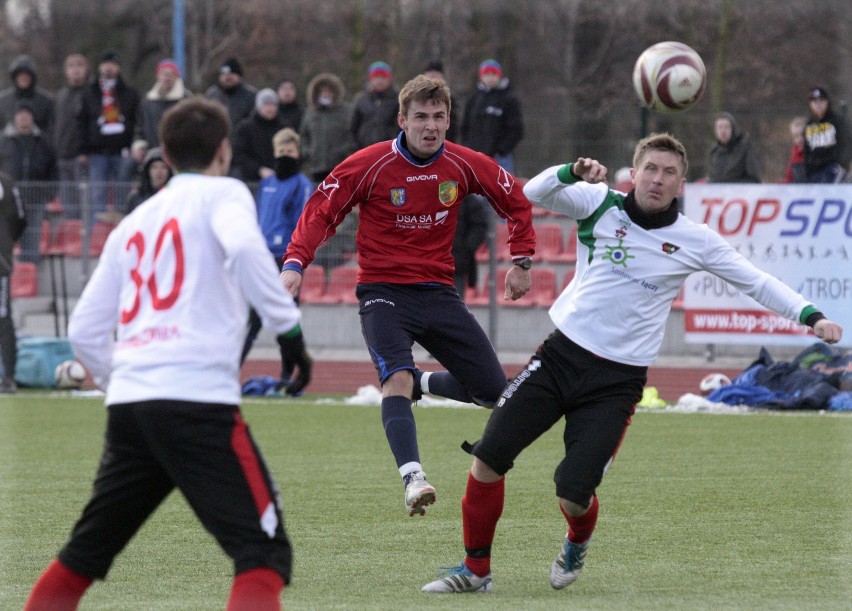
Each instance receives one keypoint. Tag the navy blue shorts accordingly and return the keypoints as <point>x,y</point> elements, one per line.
<point>207,452</point>
<point>394,316</point>
<point>594,395</point>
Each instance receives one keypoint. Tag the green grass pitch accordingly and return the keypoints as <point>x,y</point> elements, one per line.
<point>698,512</point>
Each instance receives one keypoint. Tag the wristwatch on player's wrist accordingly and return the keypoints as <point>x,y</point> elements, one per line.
<point>524,263</point>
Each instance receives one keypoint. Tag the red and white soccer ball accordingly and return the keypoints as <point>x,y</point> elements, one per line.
<point>69,374</point>
<point>669,76</point>
<point>712,381</point>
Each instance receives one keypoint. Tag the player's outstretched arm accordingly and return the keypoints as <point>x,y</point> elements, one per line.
<point>828,331</point>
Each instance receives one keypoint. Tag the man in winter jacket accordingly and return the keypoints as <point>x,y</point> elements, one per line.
<point>22,71</point>
<point>254,158</point>
<point>232,92</point>
<point>492,122</point>
<point>733,158</point>
<point>376,108</point>
<point>27,156</point>
<point>105,129</point>
<point>828,149</point>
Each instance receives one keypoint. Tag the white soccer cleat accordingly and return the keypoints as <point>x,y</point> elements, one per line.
<point>418,493</point>
<point>459,579</point>
<point>568,564</point>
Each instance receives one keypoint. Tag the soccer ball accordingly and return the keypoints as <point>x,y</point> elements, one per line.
<point>712,381</point>
<point>669,76</point>
<point>69,374</point>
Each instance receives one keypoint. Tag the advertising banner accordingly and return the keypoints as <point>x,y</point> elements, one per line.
<point>801,234</point>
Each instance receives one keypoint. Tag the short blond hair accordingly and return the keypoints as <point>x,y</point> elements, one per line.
<point>284,136</point>
<point>660,142</point>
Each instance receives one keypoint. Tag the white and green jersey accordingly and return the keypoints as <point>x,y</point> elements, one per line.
<point>627,277</point>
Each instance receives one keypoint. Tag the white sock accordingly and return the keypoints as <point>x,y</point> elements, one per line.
<point>409,467</point>
<point>424,381</point>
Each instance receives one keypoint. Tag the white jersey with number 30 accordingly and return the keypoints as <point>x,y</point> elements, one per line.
<point>164,313</point>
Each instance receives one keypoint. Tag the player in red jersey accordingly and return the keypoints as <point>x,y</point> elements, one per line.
<point>408,191</point>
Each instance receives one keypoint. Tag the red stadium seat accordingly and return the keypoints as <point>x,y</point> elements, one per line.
<point>68,239</point>
<point>100,232</point>
<point>313,284</point>
<point>341,286</point>
<point>24,280</point>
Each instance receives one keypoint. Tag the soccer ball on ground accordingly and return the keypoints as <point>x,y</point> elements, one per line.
<point>712,381</point>
<point>669,76</point>
<point>69,374</point>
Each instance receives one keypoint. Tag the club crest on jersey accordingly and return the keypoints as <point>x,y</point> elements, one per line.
<point>448,192</point>
<point>397,196</point>
<point>670,248</point>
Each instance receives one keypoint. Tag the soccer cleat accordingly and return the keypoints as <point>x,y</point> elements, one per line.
<point>568,564</point>
<point>418,493</point>
<point>459,579</point>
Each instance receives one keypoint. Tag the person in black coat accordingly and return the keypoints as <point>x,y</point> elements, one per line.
<point>105,131</point>
<point>492,122</point>
<point>27,156</point>
<point>254,158</point>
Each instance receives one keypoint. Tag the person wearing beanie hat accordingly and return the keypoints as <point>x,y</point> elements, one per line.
<point>22,72</point>
<point>254,157</point>
<point>107,124</point>
<point>168,90</point>
<point>491,66</point>
<point>231,91</point>
<point>827,145</point>
<point>732,158</point>
<point>374,117</point>
<point>265,96</point>
<point>492,121</point>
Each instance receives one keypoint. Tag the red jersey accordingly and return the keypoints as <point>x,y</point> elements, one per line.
<point>408,210</point>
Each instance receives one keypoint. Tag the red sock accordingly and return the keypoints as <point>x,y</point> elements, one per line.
<point>256,590</point>
<point>58,589</point>
<point>482,506</point>
<point>580,529</point>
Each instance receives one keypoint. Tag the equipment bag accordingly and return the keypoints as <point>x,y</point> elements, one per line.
<point>38,358</point>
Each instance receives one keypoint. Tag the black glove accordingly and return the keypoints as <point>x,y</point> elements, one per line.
<point>293,350</point>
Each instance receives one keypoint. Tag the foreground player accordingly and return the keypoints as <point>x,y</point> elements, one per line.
<point>635,251</point>
<point>160,326</point>
<point>409,191</point>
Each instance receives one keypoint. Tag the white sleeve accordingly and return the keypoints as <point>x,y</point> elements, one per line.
<point>234,222</point>
<point>724,261</point>
<point>93,323</point>
<point>577,200</point>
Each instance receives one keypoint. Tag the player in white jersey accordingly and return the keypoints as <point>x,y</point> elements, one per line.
<point>634,252</point>
<point>160,327</point>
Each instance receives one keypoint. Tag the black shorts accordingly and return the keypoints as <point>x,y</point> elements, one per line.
<point>394,316</point>
<point>596,396</point>
<point>207,452</point>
